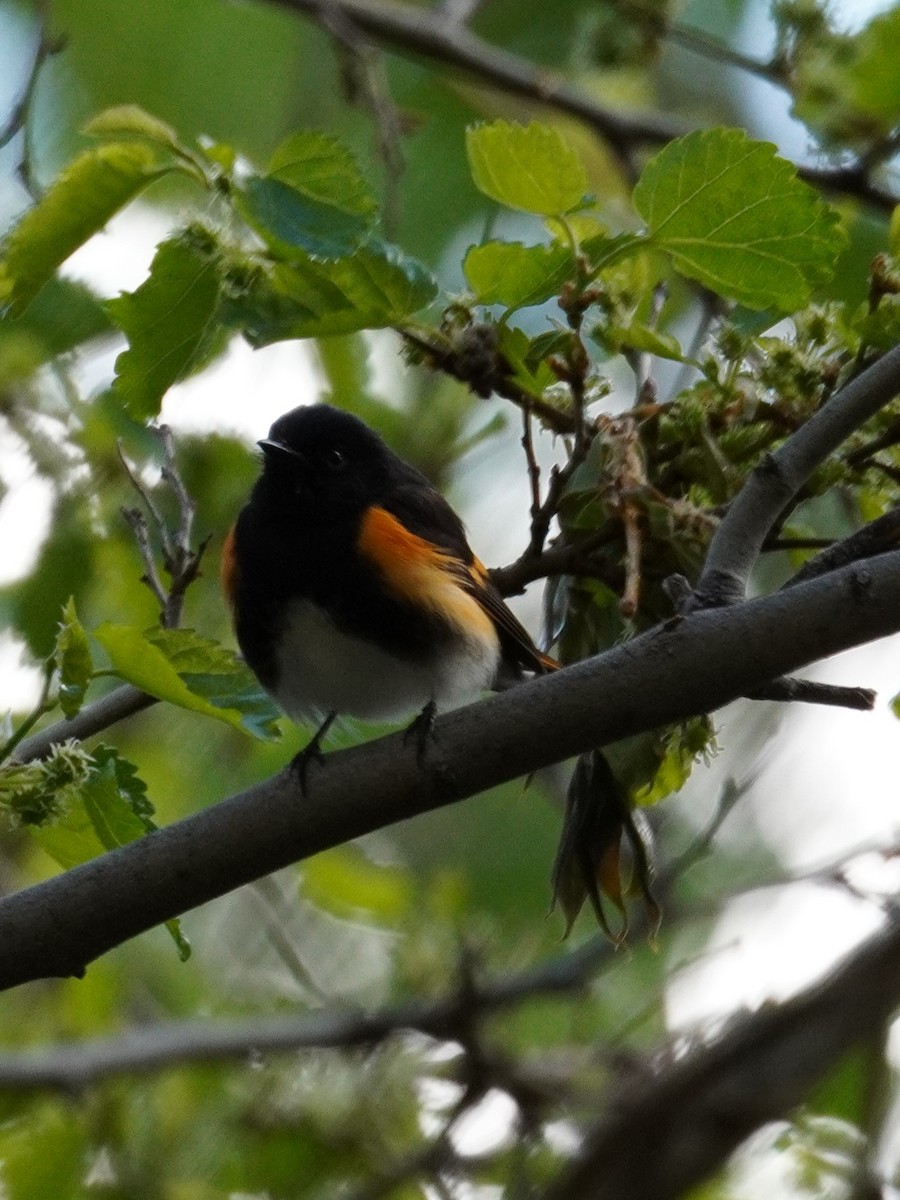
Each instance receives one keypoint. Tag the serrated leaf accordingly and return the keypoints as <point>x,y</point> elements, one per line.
<point>530,167</point>
<point>320,167</point>
<point>290,222</point>
<point>735,217</point>
<point>73,658</point>
<point>516,275</point>
<point>166,663</point>
<point>76,206</point>
<point>376,287</point>
<point>169,322</point>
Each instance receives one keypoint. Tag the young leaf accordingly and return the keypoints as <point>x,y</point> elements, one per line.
<point>640,337</point>
<point>313,199</point>
<point>530,167</point>
<point>515,275</point>
<point>73,657</point>
<point>130,120</point>
<point>736,218</point>
<point>373,288</point>
<point>289,221</point>
<point>321,168</point>
<point>75,207</point>
<point>193,672</point>
<point>169,322</point>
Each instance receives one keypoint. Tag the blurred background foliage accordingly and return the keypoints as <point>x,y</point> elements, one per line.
<point>418,910</point>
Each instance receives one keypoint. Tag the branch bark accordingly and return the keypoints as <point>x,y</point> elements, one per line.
<point>426,32</point>
<point>429,33</point>
<point>738,541</point>
<point>689,666</point>
<point>74,1066</point>
<point>695,1114</point>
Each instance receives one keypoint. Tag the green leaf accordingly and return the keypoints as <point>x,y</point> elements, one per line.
<point>515,275</point>
<point>44,1153</point>
<point>75,207</point>
<point>526,356</point>
<point>196,673</point>
<point>63,316</point>
<point>290,222</point>
<point>373,288</point>
<point>130,119</point>
<point>345,882</point>
<point>73,657</point>
<point>640,337</point>
<point>735,217</point>
<point>112,818</point>
<point>322,169</point>
<point>169,321</point>
<point>530,167</point>
<point>873,81</point>
<point>105,809</point>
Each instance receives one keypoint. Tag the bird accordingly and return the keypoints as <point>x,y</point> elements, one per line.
<point>353,588</point>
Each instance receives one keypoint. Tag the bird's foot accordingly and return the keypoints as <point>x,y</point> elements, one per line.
<point>311,752</point>
<point>422,729</point>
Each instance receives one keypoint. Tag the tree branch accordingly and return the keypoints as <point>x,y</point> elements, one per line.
<point>739,539</point>
<point>433,34</point>
<point>689,666</point>
<point>697,1112</point>
<point>427,32</point>
<point>73,1067</point>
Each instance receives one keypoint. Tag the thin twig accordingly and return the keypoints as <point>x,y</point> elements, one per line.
<point>425,32</point>
<point>631,595</point>
<point>534,471</point>
<point>364,74</point>
<point>809,691</point>
<point>878,537</point>
<point>44,705</point>
<point>704,44</point>
<point>180,560</point>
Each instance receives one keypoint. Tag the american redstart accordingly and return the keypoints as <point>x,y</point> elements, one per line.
<point>353,588</point>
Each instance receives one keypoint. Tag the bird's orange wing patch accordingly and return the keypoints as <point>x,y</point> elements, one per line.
<point>420,572</point>
<point>505,620</point>
<point>228,568</point>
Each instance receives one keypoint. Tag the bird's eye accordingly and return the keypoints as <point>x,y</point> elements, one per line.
<point>335,459</point>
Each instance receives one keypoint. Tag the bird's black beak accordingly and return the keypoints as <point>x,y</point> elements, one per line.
<point>274,450</point>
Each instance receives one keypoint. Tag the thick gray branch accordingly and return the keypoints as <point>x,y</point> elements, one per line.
<point>665,1137</point>
<point>738,541</point>
<point>690,666</point>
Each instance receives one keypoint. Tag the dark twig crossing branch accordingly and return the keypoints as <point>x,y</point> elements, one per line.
<point>738,541</point>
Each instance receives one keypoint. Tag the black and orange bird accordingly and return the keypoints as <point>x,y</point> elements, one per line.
<point>353,587</point>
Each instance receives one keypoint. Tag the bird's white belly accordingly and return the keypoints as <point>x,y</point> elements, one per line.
<point>323,669</point>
